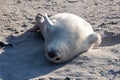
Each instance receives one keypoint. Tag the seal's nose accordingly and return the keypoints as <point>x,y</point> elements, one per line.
<point>52,54</point>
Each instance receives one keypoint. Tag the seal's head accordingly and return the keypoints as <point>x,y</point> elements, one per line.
<point>66,35</point>
<point>59,47</point>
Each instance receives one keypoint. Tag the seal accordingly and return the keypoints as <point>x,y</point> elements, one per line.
<point>66,35</point>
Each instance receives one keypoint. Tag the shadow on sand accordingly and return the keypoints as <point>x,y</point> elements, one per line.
<point>110,39</point>
<point>25,60</point>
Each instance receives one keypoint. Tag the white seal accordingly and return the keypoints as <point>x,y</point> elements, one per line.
<point>66,35</point>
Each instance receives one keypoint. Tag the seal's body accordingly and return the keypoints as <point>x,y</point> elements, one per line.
<point>66,35</point>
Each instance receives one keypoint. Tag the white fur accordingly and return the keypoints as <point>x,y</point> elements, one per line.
<point>69,34</point>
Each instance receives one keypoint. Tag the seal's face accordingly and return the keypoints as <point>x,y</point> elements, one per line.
<point>59,45</point>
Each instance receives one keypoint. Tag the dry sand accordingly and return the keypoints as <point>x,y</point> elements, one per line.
<point>25,59</point>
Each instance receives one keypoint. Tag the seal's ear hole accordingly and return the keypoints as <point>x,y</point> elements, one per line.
<point>57,59</point>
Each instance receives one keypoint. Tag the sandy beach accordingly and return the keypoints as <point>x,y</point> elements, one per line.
<point>22,58</point>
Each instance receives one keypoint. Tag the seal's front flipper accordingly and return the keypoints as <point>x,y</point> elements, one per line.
<point>39,21</point>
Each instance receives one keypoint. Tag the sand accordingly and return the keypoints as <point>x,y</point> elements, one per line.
<point>23,58</point>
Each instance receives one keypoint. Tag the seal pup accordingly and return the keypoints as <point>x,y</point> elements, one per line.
<point>66,35</point>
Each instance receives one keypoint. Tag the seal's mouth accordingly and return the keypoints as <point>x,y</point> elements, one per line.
<point>55,60</point>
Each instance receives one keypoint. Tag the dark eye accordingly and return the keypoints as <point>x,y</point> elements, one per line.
<point>57,59</point>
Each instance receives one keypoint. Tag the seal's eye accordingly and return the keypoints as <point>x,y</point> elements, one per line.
<point>57,59</point>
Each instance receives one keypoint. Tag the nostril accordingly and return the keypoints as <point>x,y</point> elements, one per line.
<point>57,59</point>
<point>52,54</point>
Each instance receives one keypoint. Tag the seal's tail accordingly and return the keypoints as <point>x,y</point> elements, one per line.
<point>98,40</point>
<point>95,39</point>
